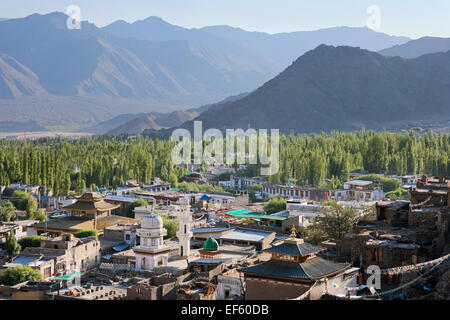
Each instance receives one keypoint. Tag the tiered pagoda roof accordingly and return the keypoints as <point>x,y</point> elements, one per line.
<point>301,249</point>
<point>315,268</point>
<point>295,260</point>
<point>91,201</point>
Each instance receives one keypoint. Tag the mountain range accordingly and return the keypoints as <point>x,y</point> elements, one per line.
<point>341,88</point>
<point>57,76</point>
<point>44,61</point>
<point>13,126</point>
<point>287,47</point>
<point>137,123</point>
<point>417,48</point>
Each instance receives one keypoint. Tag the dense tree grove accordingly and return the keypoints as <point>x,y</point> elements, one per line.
<point>311,158</point>
<point>64,165</point>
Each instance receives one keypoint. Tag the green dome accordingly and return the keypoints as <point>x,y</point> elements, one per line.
<point>210,244</point>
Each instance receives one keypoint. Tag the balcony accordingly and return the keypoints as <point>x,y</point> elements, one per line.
<point>152,233</point>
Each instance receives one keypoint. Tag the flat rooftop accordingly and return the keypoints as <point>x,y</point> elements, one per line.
<point>246,235</point>
<point>76,224</point>
<point>104,292</point>
<point>359,182</point>
<point>209,230</point>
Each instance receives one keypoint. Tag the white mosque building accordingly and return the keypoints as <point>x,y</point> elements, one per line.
<point>151,252</point>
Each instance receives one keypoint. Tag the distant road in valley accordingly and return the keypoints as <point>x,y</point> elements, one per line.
<point>43,134</point>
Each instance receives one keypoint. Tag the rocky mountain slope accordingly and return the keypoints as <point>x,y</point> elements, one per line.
<point>341,88</point>
<point>417,48</point>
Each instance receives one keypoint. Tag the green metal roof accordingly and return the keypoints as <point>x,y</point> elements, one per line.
<point>210,244</point>
<point>242,213</point>
<point>68,276</point>
<point>191,173</point>
<point>237,212</point>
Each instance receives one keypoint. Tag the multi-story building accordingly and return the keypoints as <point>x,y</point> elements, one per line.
<point>301,209</point>
<point>69,254</point>
<point>294,192</point>
<point>245,182</point>
<point>359,190</point>
<point>294,270</point>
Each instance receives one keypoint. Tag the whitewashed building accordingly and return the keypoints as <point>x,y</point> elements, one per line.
<point>359,190</point>
<point>151,252</point>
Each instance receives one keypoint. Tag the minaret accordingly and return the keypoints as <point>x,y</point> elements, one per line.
<point>184,234</point>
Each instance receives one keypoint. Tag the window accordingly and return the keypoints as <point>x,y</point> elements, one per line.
<point>47,272</point>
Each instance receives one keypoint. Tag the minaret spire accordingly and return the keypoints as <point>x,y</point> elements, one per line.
<point>184,234</point>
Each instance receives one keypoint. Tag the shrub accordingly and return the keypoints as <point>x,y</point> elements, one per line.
<point>171,225</point>
<point>30,241</point>
<point>86,233</point>
<point>12,248</point>
<point>23,201</point>
<point>7,211</point>
<point>37,214</point>
<point>398,193</point>
<point>135,204</point>
<point>225,176</point>
<point>275,204</point>
<point>19,274</point>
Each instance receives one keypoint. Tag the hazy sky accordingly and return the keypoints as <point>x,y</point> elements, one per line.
<point>413,18</point>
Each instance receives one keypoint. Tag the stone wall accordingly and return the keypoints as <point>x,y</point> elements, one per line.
<point>142,292</point>
<point>197,290</point>
<point>422,219</point>
<point>434,197</point>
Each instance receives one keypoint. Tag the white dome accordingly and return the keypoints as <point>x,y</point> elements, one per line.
<point>151,221</point>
